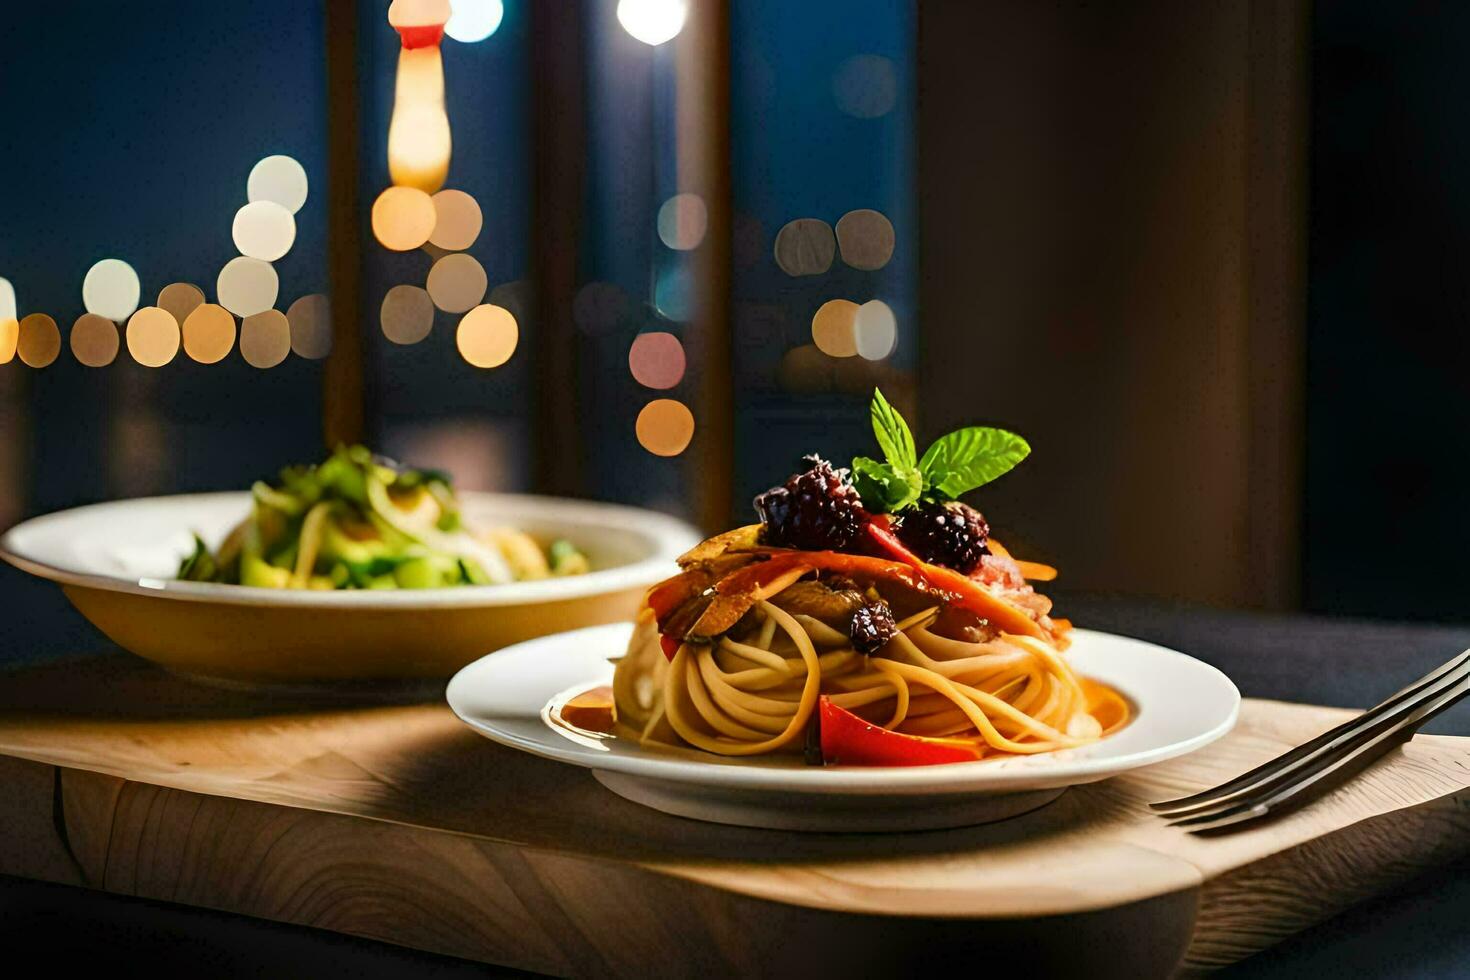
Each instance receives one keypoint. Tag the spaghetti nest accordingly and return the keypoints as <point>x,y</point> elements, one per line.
<point>755,689</point>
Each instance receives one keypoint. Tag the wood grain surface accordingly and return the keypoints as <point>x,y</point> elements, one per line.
<point>393,821</point>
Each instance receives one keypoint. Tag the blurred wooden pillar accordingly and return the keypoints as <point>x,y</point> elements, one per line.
<point>703,152</point>
<point>560,147</point>
<point>343,409</point>
<point>17,452</point>
<point>1276,289</point>
<point>1112,208</point>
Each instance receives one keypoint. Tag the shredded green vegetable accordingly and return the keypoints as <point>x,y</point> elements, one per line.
<point>358,521</point>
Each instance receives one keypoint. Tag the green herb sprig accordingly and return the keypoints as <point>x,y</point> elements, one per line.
<point>951,467</point>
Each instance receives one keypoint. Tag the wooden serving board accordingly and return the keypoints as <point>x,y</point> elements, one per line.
<point>397,823</point>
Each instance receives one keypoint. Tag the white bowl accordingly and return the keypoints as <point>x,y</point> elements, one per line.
<point>117,562</point>
<point>1180,705</point>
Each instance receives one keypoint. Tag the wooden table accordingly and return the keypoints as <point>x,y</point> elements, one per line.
<point>397,823</point>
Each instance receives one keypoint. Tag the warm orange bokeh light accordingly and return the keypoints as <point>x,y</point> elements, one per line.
<point>265,339</point>
<point>403,218</point>
<point>487,336</point>
<point>209,333</point>
<point>311,326</point>
<point>94,340</point>
<point>407,314</point>
<point>457,283</point>
<point>180,299</point>
<point>664,427</point>
<point>9,338</point>
<point>39,341</point>
<point>153,336</point>
<point>832,328</point>
<point>457,221</point>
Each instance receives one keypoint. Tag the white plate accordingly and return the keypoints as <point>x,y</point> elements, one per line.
<point>117,563</point>
<point>1180,704</point>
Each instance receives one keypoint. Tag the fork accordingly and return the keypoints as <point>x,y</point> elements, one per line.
<point>1326,761</point>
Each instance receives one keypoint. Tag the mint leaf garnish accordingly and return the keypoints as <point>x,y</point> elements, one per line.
<point>968,458</point>
<point>883,487</point>
<point>952,466</point>
<point>894,437</point>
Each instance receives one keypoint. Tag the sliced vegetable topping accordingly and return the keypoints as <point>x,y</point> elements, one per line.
<point>848,740</point>
<point>359,521</point>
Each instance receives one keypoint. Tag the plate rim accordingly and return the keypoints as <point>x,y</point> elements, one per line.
<point>670,535</point>
<point>961,777</point>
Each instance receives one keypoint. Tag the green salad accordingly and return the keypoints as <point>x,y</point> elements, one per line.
<point>358,521</point>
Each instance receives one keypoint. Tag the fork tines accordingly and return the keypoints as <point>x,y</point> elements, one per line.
<point>1336,752</point>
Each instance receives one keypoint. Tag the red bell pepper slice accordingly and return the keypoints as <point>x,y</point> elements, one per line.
<point>847,740</point>
<point>671,593</point>
<point>969,594</point>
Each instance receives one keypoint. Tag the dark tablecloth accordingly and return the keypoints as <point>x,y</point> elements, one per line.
<point>1421,932</point>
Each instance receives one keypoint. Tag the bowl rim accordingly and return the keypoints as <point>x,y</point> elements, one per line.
<point>668,537</point>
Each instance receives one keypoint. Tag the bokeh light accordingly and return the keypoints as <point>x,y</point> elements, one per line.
<point>403,218</point>
<point>653,21</point>
<point>39,340</point>
<point>264,230</point>
<point>310,318</point>
<point>600,307</point>
<point>416,13</point>
<point>457,283</point>
<point>153,336</point>
<point>682,221</point>
<point>457,221</point>
<point>516,296</point>
<point>866,239</point>
<point>865,86</point>
<point>875,330</point>
<point>9,339</point>
<point>265,339</point>
<point>474,20</point>
<point>209,333</point>
<point>247,286</point>
<point>664,427</point>
<point>419,141</point>
<point>407,314</point>
<point>657,360</point>
<point>94,340</point>
<point>111,289</point>
<point>279,179</point>
<point>487,336</point>
<point>673,294</point>
<point>833,328</point>
<point>805,369</point>
<point>9,325</point>
<point>805,247</point>
<point>180,299</point>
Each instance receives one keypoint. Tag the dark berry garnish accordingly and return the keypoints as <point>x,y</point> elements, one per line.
<point>815,510</point>
<point>872,627</point>
<point>950,533</point>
